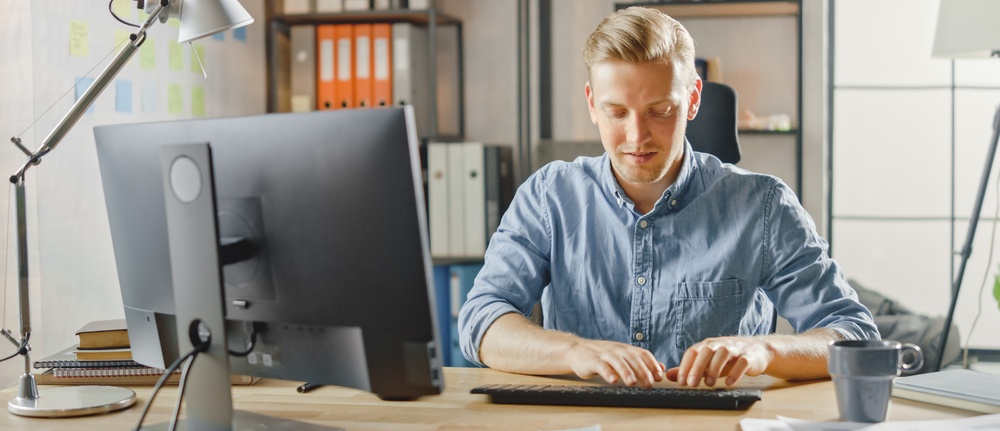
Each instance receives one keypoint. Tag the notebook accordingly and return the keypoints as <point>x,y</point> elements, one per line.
<point>964,389</point>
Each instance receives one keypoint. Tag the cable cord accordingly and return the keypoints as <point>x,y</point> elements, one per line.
<point>180,394</point>
<point>22,349</point>
<point>986,277</point>
<point>250,346</point>
<point>112,10</point>
<point>163,379</point>
<point>6,255</point>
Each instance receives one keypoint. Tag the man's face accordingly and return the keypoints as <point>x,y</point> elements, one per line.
<point>641,111</point>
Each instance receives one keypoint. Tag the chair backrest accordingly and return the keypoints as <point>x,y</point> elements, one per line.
<point>713,130</point>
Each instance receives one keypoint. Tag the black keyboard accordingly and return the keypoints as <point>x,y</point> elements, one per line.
<point>619,396</point>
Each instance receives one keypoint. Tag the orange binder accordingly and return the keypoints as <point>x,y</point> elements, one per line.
<point>363,65</point>
<point>326,71</point>
<point>344,85</point>
<point>382,64</point>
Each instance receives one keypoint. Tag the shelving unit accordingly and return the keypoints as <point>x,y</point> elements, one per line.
<point>759,45</point>
<point>279,52</point>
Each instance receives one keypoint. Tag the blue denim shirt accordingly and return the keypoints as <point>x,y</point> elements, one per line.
<point>721,248</point>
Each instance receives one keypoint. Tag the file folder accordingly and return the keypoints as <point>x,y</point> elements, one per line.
<point>344,84</point>
<point>381,65</point>
<point>456,199</point>
<point>474,198</point>
<point>442,302</point>
<point>438,198</point>
<point>363,65</point>
<point>329,6</point>
<point>463,277</point>
<point>357,4</point>
<point>411,73</point>
<point>488,189</point>
<point>326,70</point>
<point>303,68</point>
<point>297,7</point>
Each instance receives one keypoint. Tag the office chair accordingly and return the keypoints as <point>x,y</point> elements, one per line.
<point>713,130</point>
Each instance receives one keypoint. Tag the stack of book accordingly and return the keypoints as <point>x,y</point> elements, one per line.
<point>103,357</point>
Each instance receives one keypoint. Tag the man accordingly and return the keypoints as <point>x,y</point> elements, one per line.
<point>653,255</point>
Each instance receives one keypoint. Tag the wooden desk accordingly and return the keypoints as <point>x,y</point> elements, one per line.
<point>457,409</point>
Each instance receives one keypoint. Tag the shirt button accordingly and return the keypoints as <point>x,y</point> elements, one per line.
<point>641,281</point>
<point>639,336</point>
<point>673,203</point>
<point>643,224</point>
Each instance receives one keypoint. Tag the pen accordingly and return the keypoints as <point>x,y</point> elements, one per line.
<point>306,387</point>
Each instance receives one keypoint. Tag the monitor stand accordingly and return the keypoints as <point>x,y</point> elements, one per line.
<point>189,195</point>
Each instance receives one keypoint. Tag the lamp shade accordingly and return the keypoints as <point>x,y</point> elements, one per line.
<point>202,18</point>
<point>967,29</point>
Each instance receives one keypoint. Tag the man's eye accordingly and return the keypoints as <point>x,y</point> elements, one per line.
<point>617,114</point>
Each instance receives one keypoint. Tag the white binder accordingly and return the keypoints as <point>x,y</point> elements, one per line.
<point>410,74</point>
<point>438,198</point>
<point>303,68</point>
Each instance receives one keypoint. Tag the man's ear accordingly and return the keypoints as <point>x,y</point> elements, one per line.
<point>589,92</point>
<point>694,100</point>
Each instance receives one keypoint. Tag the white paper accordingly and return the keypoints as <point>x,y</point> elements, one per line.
<point>975,423</point>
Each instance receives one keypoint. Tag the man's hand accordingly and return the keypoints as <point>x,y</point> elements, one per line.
<point>615,363</point>
<point>790,357</point>
<point>723,357</point>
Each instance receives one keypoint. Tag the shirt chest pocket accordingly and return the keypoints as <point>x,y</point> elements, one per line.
<point>706,309</point>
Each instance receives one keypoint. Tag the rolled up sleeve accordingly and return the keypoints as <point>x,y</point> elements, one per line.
<point>515,269</point>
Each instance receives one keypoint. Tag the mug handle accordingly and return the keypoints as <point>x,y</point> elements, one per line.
<point>918,357</point>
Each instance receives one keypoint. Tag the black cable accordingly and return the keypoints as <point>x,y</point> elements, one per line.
<point>110,9</point>
<point>180,394</point>
<point>163,379</point>
<point>250,347</point>
<point>21,350</point>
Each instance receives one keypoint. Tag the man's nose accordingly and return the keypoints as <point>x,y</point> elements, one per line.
<point>637,129</point>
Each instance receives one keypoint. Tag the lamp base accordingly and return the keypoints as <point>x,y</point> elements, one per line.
<point>73,401</point>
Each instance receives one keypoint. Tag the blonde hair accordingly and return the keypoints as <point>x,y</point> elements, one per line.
<point>641,35</point>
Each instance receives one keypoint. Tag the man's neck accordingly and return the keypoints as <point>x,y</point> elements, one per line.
<point>644,196</point>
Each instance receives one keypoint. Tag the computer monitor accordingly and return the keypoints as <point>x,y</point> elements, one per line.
<point>322,214</point>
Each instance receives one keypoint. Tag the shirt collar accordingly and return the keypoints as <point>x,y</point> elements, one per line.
<point>675,190</point>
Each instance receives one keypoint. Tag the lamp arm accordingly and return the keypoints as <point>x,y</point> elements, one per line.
<point>83,103</point>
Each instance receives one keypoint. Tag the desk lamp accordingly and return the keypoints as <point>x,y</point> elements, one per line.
<point>198,19</point>
<point>968,29</point>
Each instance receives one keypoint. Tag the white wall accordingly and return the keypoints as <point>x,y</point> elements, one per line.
<point>73,271</point>
<point>896,149</point>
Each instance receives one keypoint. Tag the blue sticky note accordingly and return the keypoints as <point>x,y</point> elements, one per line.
<point>148,99</point>
<point>219,36</point>
<point>240,34</point>
<point>123,96</point>
<point>82,84</point>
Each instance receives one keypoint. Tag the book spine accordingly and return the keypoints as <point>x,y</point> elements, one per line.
<point>107,372</point>
<point>70,363</point>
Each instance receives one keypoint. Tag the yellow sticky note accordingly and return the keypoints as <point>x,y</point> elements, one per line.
<point>147,54</point>
<point>125,9</point>
<point>79,45</point>
<point>199,50</point>
<point>175,99</point>
<point>198,101</point>
<point>176,56</point>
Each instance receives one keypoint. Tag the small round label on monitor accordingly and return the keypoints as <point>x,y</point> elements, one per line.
<point>185,179</point>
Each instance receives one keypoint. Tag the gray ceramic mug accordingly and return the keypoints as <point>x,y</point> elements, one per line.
<point>862,372</point>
